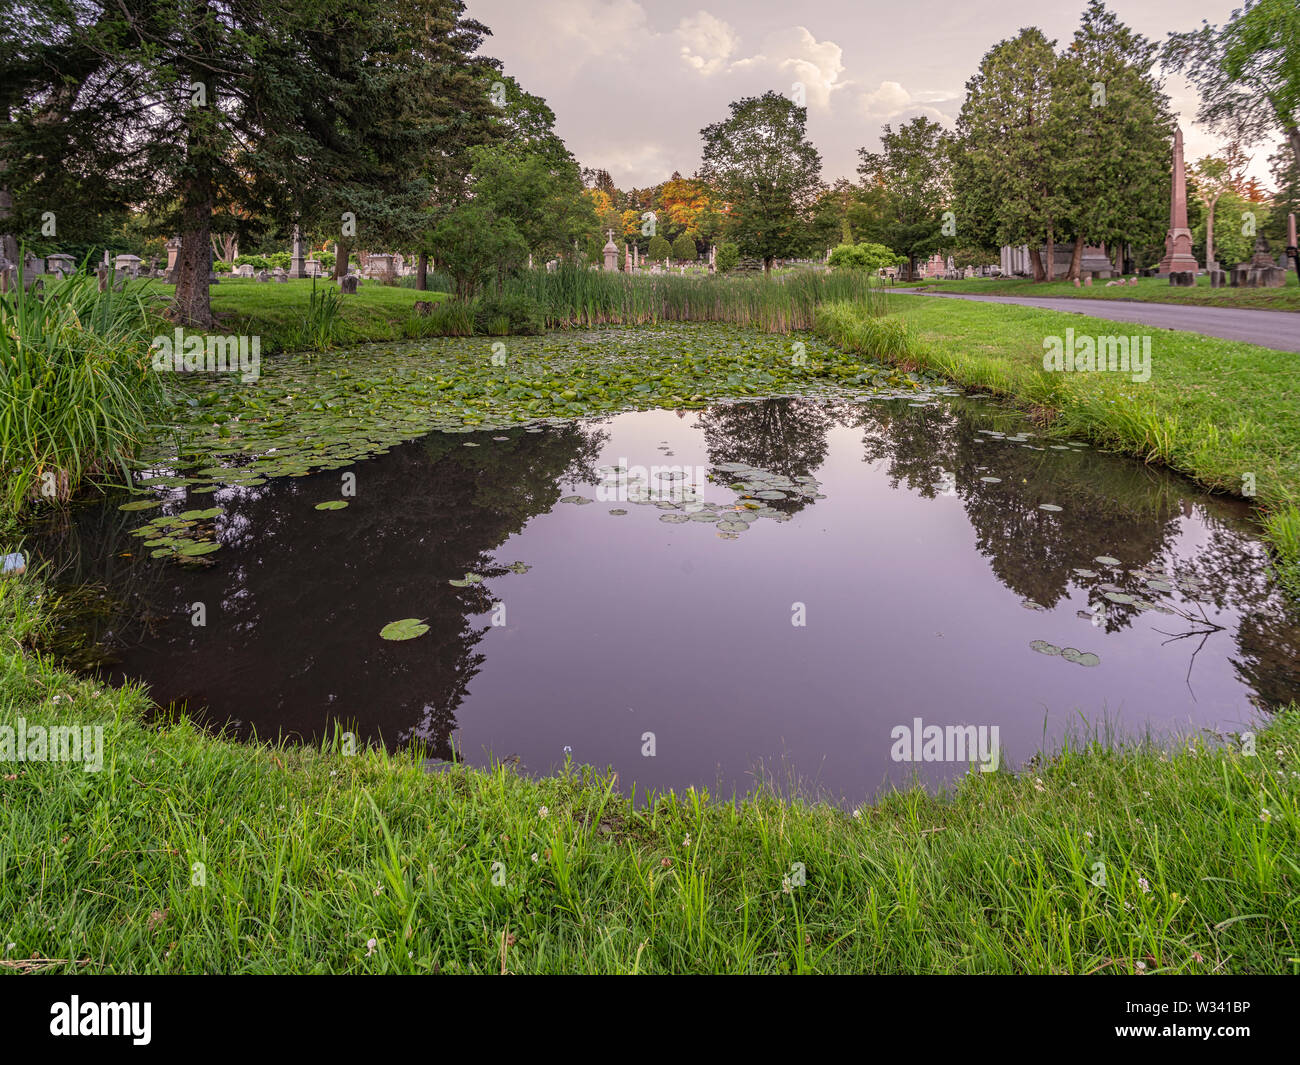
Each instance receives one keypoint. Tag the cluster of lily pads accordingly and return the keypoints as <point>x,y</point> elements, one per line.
<point>756,490</point>
<point>302,416</point>
<point>1154,584</point>
<point>412,628</point>
<point>183,537</point>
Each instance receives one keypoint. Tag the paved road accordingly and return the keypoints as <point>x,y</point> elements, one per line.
<point>1271,329</point>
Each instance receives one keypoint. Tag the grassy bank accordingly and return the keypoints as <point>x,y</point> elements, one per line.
<point>1147,290</point>
<point>189,854</point>
<point>1223,412</point>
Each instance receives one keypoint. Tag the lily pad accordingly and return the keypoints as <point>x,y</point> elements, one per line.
<point>1106,560</point>
<point>332,504</point>
<point>991,480</point>
<point>1049,506</point>
<point>141,504</point>
<point>1080,658</point>
<point>1045,648</point>
<point>406,629</point>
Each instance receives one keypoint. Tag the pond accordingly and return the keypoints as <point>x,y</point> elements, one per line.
<point>784,591</point>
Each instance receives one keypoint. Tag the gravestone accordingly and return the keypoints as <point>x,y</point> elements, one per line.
<point>610,251</point>
<point>61,264</point>
<point>244,270</point>
<point>1183,278</point>
<point>262,275</point>
<point>348,285</point>
<point>1262,271</point>
<point>173,249</point>
<point>296,265</point>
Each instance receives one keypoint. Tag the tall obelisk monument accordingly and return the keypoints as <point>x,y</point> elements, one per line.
<point>1178,241</point>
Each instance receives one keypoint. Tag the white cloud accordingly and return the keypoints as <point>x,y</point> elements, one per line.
<point>708,42</point>
<point>795,55</point>
<point>891,100</point>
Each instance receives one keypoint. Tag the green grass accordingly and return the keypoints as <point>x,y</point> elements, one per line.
<point>1216,410</point>
<point>77,393</point>
<point>190,854</point>
<point>1147,290</point>
<point>280,312</point>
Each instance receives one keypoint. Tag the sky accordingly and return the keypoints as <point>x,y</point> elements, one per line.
<point>632,82</point>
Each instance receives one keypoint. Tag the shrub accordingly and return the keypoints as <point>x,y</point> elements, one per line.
<point>684,249</point>
<point>865,256</point>
<point>728,257</point>
<point>660,249</point>
<point>510,313</point>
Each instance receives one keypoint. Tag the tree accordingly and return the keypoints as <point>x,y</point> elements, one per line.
<point>865,256</point>
<point>1247,72</point>
<point>659,249</point>
<point>1216,175</point>
<point>728,257</point>
<point>1115,127</point>
<point>911,173</point>
<point>766,171</point>
<point>1008,165</point>
<point>684,249</point>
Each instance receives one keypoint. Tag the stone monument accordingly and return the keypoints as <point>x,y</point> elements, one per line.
<point>296,265</point>
<point>610,251</point>
<point>1178,263</point>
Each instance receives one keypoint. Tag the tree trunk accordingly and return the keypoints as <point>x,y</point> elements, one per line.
<point>422,272</point>
<point>1076,259</point>
<point>341,251</point>
<point>767,264</point>
<point>1049,267</point>
<point>191,304</point>
<point>1036,261</point>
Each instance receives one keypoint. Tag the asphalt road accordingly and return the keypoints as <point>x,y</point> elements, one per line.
<point>1279,330</point>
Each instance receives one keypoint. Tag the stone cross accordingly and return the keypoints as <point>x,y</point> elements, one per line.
<point>297,267</point>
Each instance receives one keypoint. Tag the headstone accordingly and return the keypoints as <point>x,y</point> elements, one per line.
<point>348,285</point>
<point>173,249</point>
<point>61,264</point>
<point>1178,240</point>
<point>1087,281</point>
<point>282,277</point>
<point>262,275</point>
<point>244,270</point>
<point>313,268</point>
<point>296,265</point>
<point>610,251</point>
<point>101,277</point>
<point>1217,277</point>
<point>1183,278</point>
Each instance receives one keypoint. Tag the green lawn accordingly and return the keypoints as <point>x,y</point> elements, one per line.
<point>1147,290</point>
<point>273,309</point>
<point>1217,410</point>
<point>189,854</point>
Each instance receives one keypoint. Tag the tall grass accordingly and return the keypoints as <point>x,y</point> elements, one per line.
<point>575,298</point>
<point>77,392</point>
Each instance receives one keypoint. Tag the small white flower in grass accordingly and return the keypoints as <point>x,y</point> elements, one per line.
<point>786,887</point>
<point>857,814</point>
<point>543,811</point>
<point>1142,883</point>
<point>1265,816</point>
<point>379,889</point>
<point>1088,834</point>
<point>687,841</point>
<point>1141,967</point>
<point>1038,784</point>
<point>1147,794</point>
<point>534,856</point>
<point>371,944</point>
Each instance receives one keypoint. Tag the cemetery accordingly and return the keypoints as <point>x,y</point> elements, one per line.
<point>475,563</point>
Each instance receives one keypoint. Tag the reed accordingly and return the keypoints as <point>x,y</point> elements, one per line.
<point>575,298</point>
<point>77,392</point>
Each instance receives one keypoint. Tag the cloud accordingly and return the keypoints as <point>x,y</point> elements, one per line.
<point>708,42</point>
<point>892,100</point>
<point>795,56</point>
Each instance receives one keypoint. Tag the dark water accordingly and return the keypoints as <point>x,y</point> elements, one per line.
<point>912,598</point>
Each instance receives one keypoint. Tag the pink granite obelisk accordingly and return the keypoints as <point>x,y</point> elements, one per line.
<point>1178,241</point>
